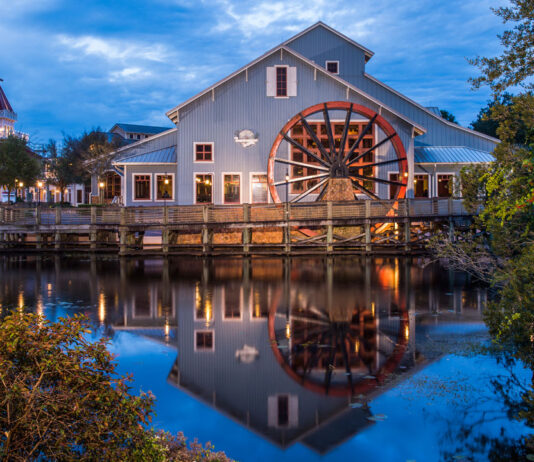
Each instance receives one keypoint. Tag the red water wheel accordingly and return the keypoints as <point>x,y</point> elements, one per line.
<point>336,139</point>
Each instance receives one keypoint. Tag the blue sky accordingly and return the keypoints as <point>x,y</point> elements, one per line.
<point>70,66</point>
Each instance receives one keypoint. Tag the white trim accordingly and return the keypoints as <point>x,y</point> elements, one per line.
<point>150,138</point>
<point>441,119</point>
<point>326,63</point>
<point>368,53</point>
<point>428,180</point>
<point>241,305</point>
<point>419,128</point>
<point>436,174</point>
<point>156,187</point>
<point>195,161</point>
<point>240,188</point>
<point>250,201</point>
<point>143,163</point>
<point>195,187</point>
<point>134,174</point>
<point>205,350</point>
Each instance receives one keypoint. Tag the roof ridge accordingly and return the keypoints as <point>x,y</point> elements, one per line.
<point>4,102</point>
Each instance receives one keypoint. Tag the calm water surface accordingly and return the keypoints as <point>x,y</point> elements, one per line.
<point>302,359</point>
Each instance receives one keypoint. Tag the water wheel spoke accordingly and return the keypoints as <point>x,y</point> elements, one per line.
<point>313,136</point>
<point>303,149</point>
<point>358,141</point>
<point>346,128</point>
<point>322,193</point>
<point>364,190</point>
<point>301,164</point>
<point>377,145</point>
<point>378,180</point>
<point>383,162</point>
<point>305,193</point>
<point>329,132</point>
<point>301,178</point>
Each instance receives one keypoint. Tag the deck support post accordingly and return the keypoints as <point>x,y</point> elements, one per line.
<point>123,241</point>
<point>287,230</point>
<point>329,228</point>
<point>246,229</point>
<point>165,240</point>
<point>93,233</point>
<point>38,237</point>
<point>206,234</point>
<point>368,244</point>
<point>407,234</point>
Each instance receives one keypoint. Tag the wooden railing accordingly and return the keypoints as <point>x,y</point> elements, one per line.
<point>235,214</point>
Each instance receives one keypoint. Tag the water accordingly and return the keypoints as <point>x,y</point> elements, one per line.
<point>308,359</point>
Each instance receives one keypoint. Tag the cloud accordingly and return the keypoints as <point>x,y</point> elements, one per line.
<point>128,74</point>
<point>112,49</point>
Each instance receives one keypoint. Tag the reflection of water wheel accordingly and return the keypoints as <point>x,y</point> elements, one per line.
<point>333,148</point>
<point>335,356</point>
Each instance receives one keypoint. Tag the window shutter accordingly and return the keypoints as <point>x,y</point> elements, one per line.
<point>271,81</point>
<point>272,405</point>
<point>291,81</point>
<point>293,407</point>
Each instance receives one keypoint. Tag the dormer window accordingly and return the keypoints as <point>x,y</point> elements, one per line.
<point>332,67</point>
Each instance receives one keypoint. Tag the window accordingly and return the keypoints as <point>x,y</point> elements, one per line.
<point>332,67</point>
<point>138,137</point>
<point>260,303</point>
<point>281,81</point>
<point>203,152</point>
<point>232,302</point>
<point>131,136</point>
<point>393,189</point>
<point>260,194</point>
<point>204,340</point>
<point>204,188</point>
<point>142,187</point>
<point>232,188</point>
<point>112,185</point>
<point>445,186</point>
<point>420,185</point>
<point>164,187</point>
<point>203,303</point>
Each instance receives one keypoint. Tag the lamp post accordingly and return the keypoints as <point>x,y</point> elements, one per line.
<point>39,187</point>
<point>21,185</point>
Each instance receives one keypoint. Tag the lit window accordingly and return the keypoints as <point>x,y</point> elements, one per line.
<point>204,340</point>
<point>141,187</point>
<point>204,152</point>
<point>420,186</point>
<point>332,67</point>
<point>281,81</point>
<point>138,137</point>
<point>164,187</point>
<point>259,189</point>
<point>445,186</point>
<point>232,189</point>
<point>204,188</point>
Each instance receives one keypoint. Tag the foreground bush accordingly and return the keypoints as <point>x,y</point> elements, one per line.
<point>60,399</point>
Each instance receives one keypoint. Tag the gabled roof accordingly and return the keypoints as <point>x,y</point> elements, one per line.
<point>161,156</point>
<point>173,113</point>
<point>4,103</point>
<point>368,53</point>
<point>450,155</point>
<point>146,129</point>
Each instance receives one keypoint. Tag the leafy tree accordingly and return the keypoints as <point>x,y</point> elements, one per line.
<point>60,399</point>
<point>17,164</point>
<point>95,150</point>
<point>448,116</point>
<point>515,67</point>
<point>65,168</point>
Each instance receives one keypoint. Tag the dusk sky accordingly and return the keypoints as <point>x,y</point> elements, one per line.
<point>69,66</point>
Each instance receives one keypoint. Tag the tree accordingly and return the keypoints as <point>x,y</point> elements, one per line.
<point>515,66</point>
<point>65,167</point>
<point>17,164</point>
<point>60,399</point>
<point>95,151</point>
<point>448,116</point>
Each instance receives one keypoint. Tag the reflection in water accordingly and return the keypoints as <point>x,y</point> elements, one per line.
<point>293,350</point>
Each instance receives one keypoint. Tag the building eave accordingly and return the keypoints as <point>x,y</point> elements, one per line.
<point>441,119</point>
<point>145,140</point>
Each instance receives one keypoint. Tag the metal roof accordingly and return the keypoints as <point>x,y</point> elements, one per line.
<point>147,129</point>
<point>161,156</point>
<point>450,155</point>
<point>434,110</point>
<point>4,103</point>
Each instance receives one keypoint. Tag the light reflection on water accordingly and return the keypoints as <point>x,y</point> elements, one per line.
<point>275,359</point>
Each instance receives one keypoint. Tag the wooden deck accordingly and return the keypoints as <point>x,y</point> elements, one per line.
<point>347,227</point>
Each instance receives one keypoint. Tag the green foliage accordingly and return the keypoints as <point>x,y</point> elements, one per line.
<point>60,399</point>
<point>448,116</point>
<point>17,163</point>
<point>515,66</point>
